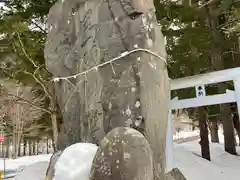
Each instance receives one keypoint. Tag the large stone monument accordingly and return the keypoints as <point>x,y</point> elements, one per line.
<point>135,88</point>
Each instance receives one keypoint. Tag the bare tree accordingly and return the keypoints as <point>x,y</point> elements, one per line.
<point>22,116</point>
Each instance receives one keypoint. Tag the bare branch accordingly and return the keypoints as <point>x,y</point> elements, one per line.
<point>44,31</point>
<point>35,65</point>
<point>234,52</point>
<point>207,3</point>
<point>39,82</point>
<point>27,102</point>
<point>24,51</point>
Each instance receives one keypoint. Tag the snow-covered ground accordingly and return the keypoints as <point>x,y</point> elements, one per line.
<point>222,166</point>
<point>187,157</point>
<point>23,161</point>
<point>12,166</point>
<point>183,134</point>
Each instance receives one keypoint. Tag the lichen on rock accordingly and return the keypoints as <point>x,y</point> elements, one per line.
<point>126,155</point>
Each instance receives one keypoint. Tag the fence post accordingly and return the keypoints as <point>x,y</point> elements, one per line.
<point>169,144</point>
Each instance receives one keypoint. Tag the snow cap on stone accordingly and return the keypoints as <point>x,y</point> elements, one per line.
<point>75,162</point>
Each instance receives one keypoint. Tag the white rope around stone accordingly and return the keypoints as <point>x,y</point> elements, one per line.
<point>124,54</point>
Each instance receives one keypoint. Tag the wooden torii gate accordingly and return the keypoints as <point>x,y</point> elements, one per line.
<point>201,99</point>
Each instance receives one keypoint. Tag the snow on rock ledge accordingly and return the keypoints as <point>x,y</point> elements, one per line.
<point>75,162</point>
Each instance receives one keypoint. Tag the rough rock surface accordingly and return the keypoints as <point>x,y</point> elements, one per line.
<point>85,33</point>
<point>175,174</point>
<point>51,167</point>
<point>124,154</point>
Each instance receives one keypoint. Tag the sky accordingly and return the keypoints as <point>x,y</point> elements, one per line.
<point>2,5</point>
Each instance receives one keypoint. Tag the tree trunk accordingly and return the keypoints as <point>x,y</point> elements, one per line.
<point>34,147</point>
<point>1,149</point>
<point>11,148</point>
<point>237,125</point>
<point>29,147</point>
<point>235,140</point>
<point>218,64</point>
<point>19,148</point>
<point>37,150</point>
<point>24,147</point>
<point>228,131</point>
<point>54,130</point>
<point>214,130</point>
<point>48,146</point>
<point>204,142</point>
<point>15,147</point>
<point>7,147</point>
<point>238,132</point>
